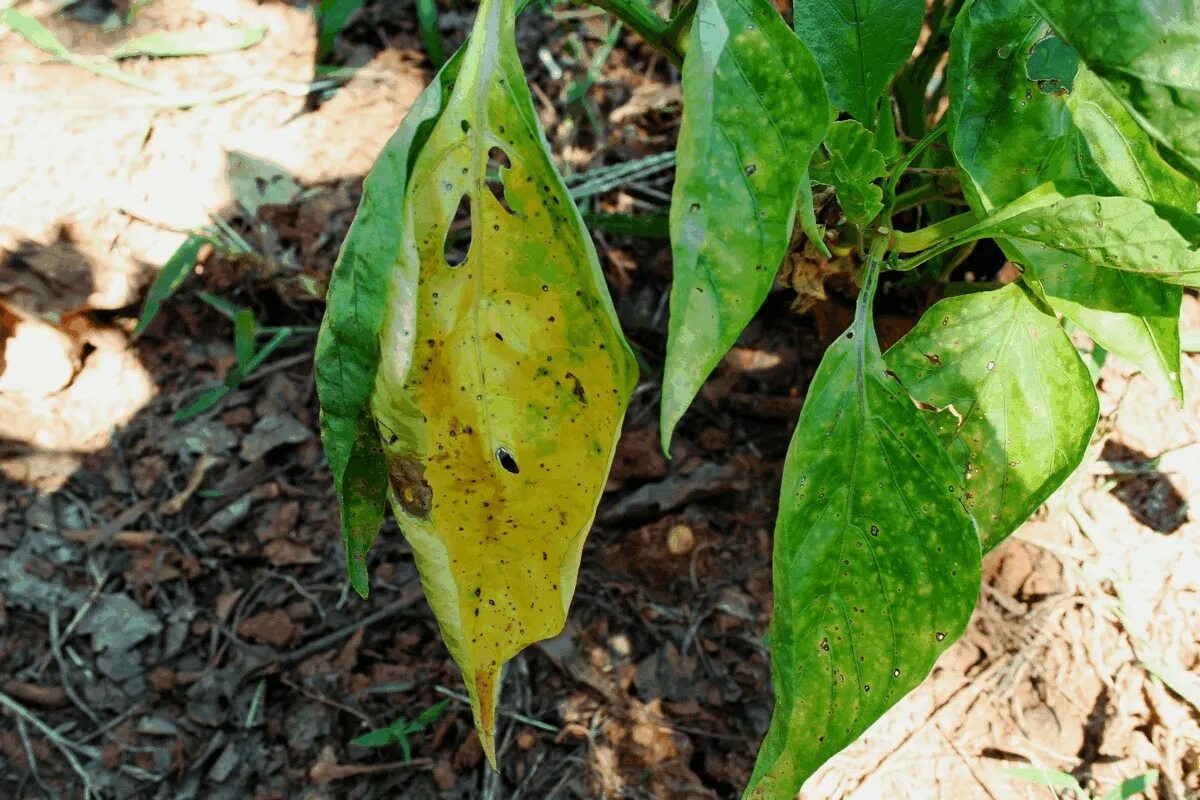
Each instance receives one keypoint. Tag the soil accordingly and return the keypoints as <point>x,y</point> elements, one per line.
<point>174,613</point>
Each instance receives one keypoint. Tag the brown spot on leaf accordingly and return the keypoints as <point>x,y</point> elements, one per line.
<point>413,492</point>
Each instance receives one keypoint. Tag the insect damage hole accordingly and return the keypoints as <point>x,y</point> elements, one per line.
<point>498,164</point>
<point>457,244</point>
<point>507,461</point>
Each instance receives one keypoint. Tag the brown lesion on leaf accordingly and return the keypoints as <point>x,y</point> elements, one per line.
<point>412,491</point>
<point>578,391</point>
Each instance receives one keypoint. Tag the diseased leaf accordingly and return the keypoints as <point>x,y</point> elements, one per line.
<point>1124,151</point>
<point>860,45</point>
<point>995,362</point>
<point>755,110</point>
<point>1008,138</point>
<point>876,562</point>
<point>1007,135</point>
<point>1146,51</point>
<point>504,376</point>
<point>853,167</point>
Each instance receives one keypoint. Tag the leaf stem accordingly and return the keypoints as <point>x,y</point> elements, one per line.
<point>662,35</point>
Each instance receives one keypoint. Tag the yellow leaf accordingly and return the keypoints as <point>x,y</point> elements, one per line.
<point>503,376</point>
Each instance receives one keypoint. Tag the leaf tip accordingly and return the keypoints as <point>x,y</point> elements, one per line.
<point>356,567</point>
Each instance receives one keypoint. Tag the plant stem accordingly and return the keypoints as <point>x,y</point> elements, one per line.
<point>889,191</point>
<point>658,32</point>
<point>917,196</point>
<point>939,232</point>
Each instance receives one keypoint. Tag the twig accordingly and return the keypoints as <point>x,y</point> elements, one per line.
<point>537,723</point>
<point>330,639</point>
<point>56,650</point>
<point>64,745</point>
<point>320,698</point>
<point>31,759</point>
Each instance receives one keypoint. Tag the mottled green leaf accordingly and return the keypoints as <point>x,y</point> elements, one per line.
<point>860,45</point>
<point>504,377</point>
<point>876,562</point>
<point>1016,404</point>
<point>755,110</point>
<point>1148,52</point>
<point>1009,137</point>
<point>852,170</point>
<point>1124,151</point>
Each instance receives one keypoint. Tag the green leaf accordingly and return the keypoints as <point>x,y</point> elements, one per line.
<point>1146,52</point>
<point>169,279</point>
<point>876,562</point>
<point>1009,137</point>
<point>190,43</point>
<point>33,32</point>
<point>754,112</point>
<point>1050,778</point>
<point>1120,233</point>
<point>994,363</point>
<point>363,499</point>
<point>399,731</point>
<point>332,17</point>
<point>490,354</point>
<point>1134,786</point>
<point>1125,152</point>
<point>348,347</point>
<point>245,332</point>
<point>853,167</point>
<point>860,45</point>
<point>208,399</point>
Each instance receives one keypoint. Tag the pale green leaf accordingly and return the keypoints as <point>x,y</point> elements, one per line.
<point>169,44</point>
<point>755,109</point>
<point>1120,233</point>
<point>853,168</point>
<point>1016,405</point>
<point>876,561</point>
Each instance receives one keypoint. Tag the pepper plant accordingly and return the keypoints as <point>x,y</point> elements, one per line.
<point>473,375</point>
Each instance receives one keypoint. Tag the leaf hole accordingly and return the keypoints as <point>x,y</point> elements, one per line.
<point>507,461</point>
<point>458,234</point>
<point>498,164</point>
